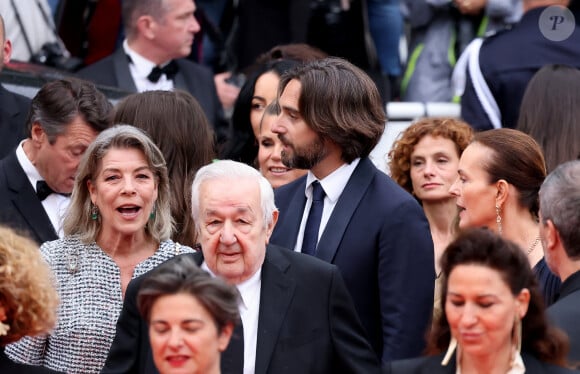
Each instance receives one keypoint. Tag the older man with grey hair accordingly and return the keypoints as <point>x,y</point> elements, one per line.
<point>296,312</point>
<point>560,233</point>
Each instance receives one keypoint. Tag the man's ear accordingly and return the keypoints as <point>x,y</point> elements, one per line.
<point>551,235</point>
<point>271,226</point>
<point>7,51</point>
<point>146,25</point>
<point>37,134</point>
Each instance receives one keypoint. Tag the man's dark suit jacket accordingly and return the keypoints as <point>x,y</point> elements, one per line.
<point>564,314</point>
<point>379,238</point>
<point>432,365</point>
<point>20,209</point>
<point>13,112</point>
<point>306,323</point>
<point>508,70</point>
<point>9,367</point>
<point>197,80</point>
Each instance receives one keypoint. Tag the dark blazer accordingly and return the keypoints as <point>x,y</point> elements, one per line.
<point>508,70</point>
<point>197,80</point>
<point>564,314</point>
<point>432,365</point>
<point>9,366</point>
<point>19,206</point>
<point>13,112</point>
<point>379,238</point>
<point>306,323</point>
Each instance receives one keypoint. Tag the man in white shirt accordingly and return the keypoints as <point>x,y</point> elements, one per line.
<point>37,179</point>
<point>160,34</point>
<point>296,313</point>
<point>375,232</point>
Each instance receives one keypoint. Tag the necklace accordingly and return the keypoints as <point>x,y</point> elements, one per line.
<point>534,245</point>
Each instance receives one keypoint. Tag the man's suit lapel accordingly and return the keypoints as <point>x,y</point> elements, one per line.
<point>26,202</point>
<point>275,296</point>
<point>180,81</point>
<point>122,73</point>
<point>287,231</point>
<point>10,107</point>
<point>341,215</point>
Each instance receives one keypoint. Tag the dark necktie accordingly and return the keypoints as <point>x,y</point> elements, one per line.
<point>313,222</point>
<point>169,70</point>
<point>232,359</point>
<point>43,190</point>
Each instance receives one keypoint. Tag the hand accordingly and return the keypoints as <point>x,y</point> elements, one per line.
<point>227,93</point>
<point>470,7</point>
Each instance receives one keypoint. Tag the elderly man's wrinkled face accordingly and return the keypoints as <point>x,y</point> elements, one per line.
<point>233,234</point>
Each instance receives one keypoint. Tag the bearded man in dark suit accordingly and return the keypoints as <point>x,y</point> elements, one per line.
<point>370,228</point>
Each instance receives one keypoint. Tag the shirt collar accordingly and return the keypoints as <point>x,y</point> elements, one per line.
<point>246,287</point>
<point>334,183</point>
<point>142,65</point>
<point>29,169</point>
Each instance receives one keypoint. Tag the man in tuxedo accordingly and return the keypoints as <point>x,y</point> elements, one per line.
<point>347,212</point>
<point>159,35</point>
<point>296,313</point>
<point>37,178</point>
<point>559,223</point>
<point>13,107</point>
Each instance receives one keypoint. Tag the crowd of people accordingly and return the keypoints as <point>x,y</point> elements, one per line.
<point>159,234</point>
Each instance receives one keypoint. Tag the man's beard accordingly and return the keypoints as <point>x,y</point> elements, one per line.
<point>305,157</point>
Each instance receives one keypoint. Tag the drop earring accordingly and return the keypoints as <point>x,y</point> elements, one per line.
<point>498,219</point>
<point>450,351</point>
<point>152,214</point>
<point>94,212</point>
<point>4,328</point>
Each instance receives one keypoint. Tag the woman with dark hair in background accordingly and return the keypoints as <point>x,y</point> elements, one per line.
<point>259,90</point>
<point>494,320</point>
<point>178,126</point>
<point>500,174</point>
<point>190,314</point>
<point>550,113</point>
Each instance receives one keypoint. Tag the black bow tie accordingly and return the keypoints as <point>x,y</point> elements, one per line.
<point>43,190</point>
<point>169,70</point>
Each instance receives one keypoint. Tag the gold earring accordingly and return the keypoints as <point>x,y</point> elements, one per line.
<point>450,351</point>
<point>518,333</point>
<point>498,219</point>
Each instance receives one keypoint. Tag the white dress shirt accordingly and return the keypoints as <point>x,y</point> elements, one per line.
<point>333,185</point>
<point>55,205</point>
<point>140,67</point>
<point>249,312</point>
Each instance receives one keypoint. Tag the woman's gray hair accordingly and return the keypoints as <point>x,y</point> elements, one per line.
<point>234,171</point>
<point>78,219</point>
